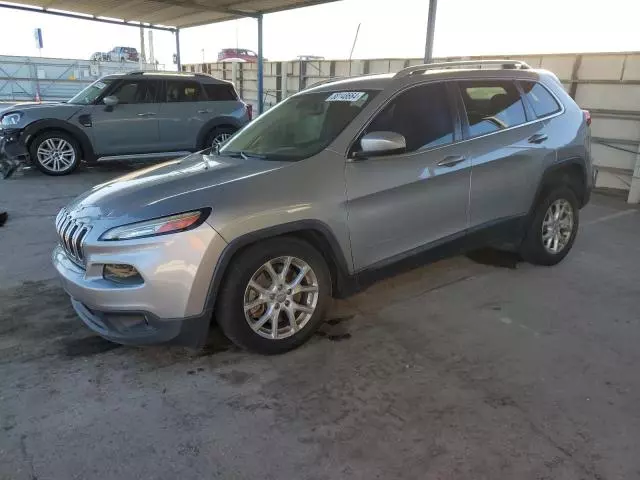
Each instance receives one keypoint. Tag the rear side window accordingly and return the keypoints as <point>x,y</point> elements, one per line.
<point>184,91</point>
<point>492,105</point>
<point>220,92</point>
<point>541,100</point>
<point>421,115</point>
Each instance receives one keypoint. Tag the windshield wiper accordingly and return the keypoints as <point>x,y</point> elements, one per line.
<point>243,155</point>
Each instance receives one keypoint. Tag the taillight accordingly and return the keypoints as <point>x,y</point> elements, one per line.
<point>587,116</point>
<point>250,111</point>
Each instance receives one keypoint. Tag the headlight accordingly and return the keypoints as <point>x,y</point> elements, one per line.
<point>157,226</point>
<point>11,119</point>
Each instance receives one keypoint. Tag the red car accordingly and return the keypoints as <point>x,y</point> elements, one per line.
<point>227,54</point>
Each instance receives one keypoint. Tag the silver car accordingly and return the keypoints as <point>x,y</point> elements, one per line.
<point>321,194</point>
<point>138,115</point>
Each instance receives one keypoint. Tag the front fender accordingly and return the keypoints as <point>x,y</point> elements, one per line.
<point>37,127</point>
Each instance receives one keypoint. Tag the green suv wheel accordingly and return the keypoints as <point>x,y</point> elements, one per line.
<point>55,153</point>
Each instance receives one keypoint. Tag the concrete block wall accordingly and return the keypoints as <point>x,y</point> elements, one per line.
<point>607,84</point>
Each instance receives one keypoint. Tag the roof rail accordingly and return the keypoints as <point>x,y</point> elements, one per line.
<point>163,72</point>
<point>500,64</point>
<point>323,81</point>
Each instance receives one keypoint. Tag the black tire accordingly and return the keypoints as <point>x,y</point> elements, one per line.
<point>54,136</point>
<point>230,313</point>
<point>532,248</point>
<point>217,132</point>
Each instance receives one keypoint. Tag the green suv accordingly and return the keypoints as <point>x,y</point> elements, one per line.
<point>138,115</point>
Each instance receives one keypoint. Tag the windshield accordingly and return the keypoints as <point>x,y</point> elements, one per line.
<point>299,127</point>
<point>89,94</point>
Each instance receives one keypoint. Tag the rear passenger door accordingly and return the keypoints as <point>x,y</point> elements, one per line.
<point>401,202</point>
<point>508,147</point>
<point>183,114</point>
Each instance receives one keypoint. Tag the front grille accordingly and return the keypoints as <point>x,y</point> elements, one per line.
<point>71,234</point>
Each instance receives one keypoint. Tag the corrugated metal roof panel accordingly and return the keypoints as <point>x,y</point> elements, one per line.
<point>174,13</point>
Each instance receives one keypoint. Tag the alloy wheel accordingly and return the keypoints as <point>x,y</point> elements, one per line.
<point>219,140</point>
<point>557,226</point>
<point>56,154</point>
<point>281,297</point>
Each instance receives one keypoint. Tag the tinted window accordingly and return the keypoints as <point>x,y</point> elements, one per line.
<point>541,100</point>
<point>492,106</point>
<point>220,92</point>
<point>421,115</point>
<point>136,91</point>
<point>184,91</point>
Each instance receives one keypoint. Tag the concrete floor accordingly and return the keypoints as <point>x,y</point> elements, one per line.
<point>478,368</point>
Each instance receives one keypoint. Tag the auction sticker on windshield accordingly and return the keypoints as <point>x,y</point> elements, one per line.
<point>345,97</point>
<point>100,85</point>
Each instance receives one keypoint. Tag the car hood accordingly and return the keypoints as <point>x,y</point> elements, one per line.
<point>34,107</point>
<point>171,187</point>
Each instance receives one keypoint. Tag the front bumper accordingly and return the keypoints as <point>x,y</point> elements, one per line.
<point>170,303</point>
<point>11,145</point>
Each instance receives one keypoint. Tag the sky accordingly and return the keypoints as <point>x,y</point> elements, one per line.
<point>389,29</point>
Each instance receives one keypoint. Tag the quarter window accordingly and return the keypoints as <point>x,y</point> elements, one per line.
<point>421,114</point>
<point>219,92</point>
<point>492,106</point>
<point>541,100</point>
<point>184,91</point>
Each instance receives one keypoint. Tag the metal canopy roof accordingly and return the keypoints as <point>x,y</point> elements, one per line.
<point>168,13</point>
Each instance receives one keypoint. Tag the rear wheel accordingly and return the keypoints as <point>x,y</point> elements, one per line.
<point>218,136</point>
<point>55,153</point>
<point>553,228</point>
<point>275,296</point>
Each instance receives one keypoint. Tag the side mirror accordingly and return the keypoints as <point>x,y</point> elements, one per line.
<point>381,143</point>
<point>110,101</point>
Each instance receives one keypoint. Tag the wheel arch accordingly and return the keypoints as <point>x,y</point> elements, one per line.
<point>55,125</point>
<point>314,232</point>
<point>571,172</point>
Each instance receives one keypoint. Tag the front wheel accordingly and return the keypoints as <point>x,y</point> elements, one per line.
<point>275,295</point>
<point>55,153</point>
<point>553,228</point>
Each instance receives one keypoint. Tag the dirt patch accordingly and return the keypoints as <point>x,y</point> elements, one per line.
<point>34,318</point>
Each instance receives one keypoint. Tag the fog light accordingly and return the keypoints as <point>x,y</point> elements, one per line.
<point>120,273</point>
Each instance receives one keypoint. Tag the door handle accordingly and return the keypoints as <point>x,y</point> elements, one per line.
<point>538,138</point>
<point>148,114</point>
<point>204,111</point>
<point>451,160</point>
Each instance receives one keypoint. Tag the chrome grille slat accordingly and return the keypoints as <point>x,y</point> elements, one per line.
<point>72,234</point>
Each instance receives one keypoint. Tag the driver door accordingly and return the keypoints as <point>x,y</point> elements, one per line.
<point>402,202</point>
<point>131,126</point>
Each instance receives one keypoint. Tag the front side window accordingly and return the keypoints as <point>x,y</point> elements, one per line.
<point>184,91</point>
<point>421,114</point>
<point>136,91</point>
<point>89,95</point>
<point>491,105</point>
<point>541,100</point>
<point>299,127</point>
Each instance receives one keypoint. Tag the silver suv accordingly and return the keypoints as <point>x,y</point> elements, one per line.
<point>321,194</point>
<point>139,115</point>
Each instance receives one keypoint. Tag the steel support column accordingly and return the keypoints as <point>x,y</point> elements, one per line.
<point>260,68</point>
<point>431,26</point>
<point>178,63</point>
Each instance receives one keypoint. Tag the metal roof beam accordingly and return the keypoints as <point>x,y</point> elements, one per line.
<point>26,8</point>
